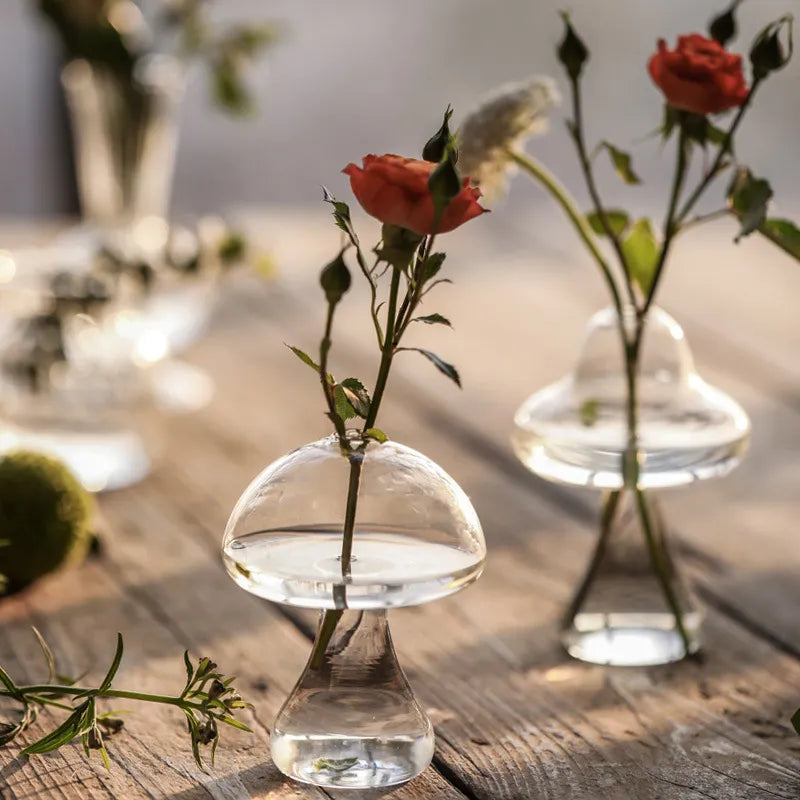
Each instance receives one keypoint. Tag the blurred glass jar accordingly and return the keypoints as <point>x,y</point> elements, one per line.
<point>68,386</point>
<point>124,130</point>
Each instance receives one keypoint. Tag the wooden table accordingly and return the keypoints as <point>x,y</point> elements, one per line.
<point>515,719</point>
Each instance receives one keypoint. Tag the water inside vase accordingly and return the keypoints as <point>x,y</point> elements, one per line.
<point>352,738</point>
<point>389,568</point>
<point>626,609</point>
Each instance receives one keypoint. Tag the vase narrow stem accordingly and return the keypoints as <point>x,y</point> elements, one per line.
<point>352,721</point>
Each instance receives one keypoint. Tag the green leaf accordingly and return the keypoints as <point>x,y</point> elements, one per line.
<point>377,434</point>
<point>344,408</point>
<point>784,233</point>
<point>335,279</point>
<point>74,725</point>
<point>189,668</point>
<point>433,319</point>
<point>622,163</point>
<point>796,721</point>
<point>589,412</point>
<point>235,723</point>
<point>431,266</point>
<point>11,687</point>
<point>617,219</point>
<point>748,198</point>
<point>305,358</point>
<point>351,399</point>
<point>228,86</point>
<point>572,52</point>
<point>341,215</point>
<point>112,670</point>
<point>232,248</point>
<point>48,655</point>
<point>446,369</point>
<point>358,395</point>
<point>334,764</point>
<point>641,252</point>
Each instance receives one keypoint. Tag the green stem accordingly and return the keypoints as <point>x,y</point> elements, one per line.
<point>356,461</point>
<point>724,149</point>
<point>117,693</point>
<point>330,617</point>
<point>387,353</point>
<point>671,223</point>
<point>631,477</point>
<point>324,349</point>
<point>610,505</point>
<point>591,185</point>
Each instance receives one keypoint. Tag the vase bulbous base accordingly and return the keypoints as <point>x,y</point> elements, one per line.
<point>630,640</point>
<point>633,607</point>
<point>352,721</point>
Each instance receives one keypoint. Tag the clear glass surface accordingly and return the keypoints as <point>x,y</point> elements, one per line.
<point>65,388</point>
<point>125,135</point>
<point>620,615</point>
<point>417,537</point>
<point>575,431</point>
<point>352,720</point>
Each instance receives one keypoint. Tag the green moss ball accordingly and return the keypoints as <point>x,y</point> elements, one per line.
<point>45,516</point>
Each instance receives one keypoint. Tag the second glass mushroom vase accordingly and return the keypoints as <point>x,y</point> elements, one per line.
<point>632,607</point>
<point>353,528</point>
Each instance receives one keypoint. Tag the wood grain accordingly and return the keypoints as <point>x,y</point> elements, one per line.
<point>514,719</point>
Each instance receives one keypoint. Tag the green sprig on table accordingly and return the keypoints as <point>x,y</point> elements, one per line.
<point>207,699</point>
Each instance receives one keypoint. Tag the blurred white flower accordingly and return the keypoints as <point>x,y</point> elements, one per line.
<point>501,123</point>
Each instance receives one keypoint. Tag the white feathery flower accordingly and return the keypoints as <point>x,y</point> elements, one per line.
<point>501,122</point>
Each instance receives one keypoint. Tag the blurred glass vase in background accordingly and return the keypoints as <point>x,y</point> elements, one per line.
<point>68,386</point>
<point>125,130</point>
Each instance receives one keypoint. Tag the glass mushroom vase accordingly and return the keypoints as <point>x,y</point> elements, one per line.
<point>633,606</point>
<point>352,720</point>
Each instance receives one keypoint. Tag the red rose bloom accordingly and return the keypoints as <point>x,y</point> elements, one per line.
<point>700,75</point>
<point>395,190</point>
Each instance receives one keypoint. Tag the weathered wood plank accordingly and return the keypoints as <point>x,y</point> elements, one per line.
<point>514,719</point>
<point>503,668</point>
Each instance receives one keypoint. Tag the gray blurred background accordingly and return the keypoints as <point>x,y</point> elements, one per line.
<point>355,76</point>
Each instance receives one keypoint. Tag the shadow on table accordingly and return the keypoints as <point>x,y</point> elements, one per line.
<point>264,779</point>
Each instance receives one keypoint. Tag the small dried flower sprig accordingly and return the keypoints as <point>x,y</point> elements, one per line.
<point>207,699</point>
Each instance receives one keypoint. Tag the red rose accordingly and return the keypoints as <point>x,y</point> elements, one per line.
<point>395,190</point>
<point>700,75</point>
